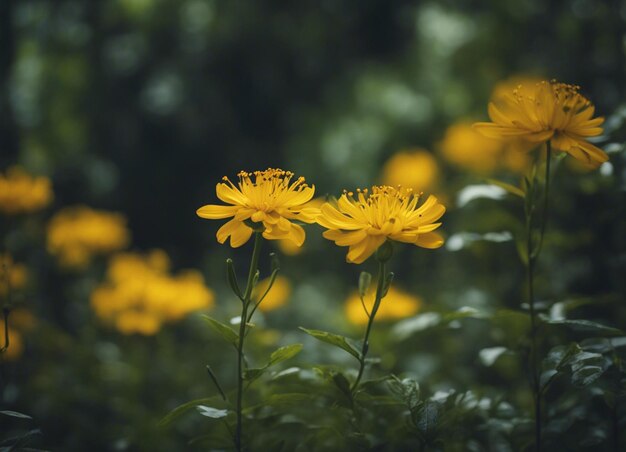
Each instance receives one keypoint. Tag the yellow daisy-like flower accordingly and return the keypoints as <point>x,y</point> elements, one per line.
<point>549,111</point>
<point>22,193</point>
<point>367,221</point>
<point>265,199</point>
<point>396,305</point>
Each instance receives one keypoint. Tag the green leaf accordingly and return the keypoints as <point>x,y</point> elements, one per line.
<point>343,384</point>
<point>182,409</point>
<point>224,331</point>
<point>15,414</point>
<point>334,339</point>
<point>284,353</point>
<point>488,356</point>
<point>278,356</point>
<point>512,189</point>
<point>253,373</point>
<point>587,326</point>
<point>406,390</point>
<point>587,367</point>
<point>213,413</point>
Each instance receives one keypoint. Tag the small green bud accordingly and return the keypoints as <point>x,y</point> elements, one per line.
<point>365,280</point>
<point>384,251</point>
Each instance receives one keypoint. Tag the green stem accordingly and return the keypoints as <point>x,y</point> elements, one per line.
<point>370,322</point>
<point>533,255</point>
<point>254,264</point>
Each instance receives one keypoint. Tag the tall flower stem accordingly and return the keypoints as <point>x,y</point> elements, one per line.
<point>380,289</point>
<point>246,301</point>
<point>532,251</point>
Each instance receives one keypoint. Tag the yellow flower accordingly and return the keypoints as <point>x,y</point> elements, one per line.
<point>16,344</point>
<point>466,148</point>
<point>23,193</point>
<point>267,199</point>
<point>365,223</point>
<point>17,275</point>
<point>397,304</point>
<point>549,111</point>
<point>276,297</point>
<point>76,234</point>
<point>416,169</point>
<point>20,321</point>
<point>288,247</point>
<point>139,294</point>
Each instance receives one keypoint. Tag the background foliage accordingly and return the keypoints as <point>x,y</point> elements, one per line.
<point>141,106</point>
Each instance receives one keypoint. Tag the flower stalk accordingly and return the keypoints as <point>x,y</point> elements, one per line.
<point>246,302</point>
<point>532,251</point>
<point>383,254</point>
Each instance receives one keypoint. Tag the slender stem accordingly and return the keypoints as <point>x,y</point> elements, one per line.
<point>254,264</point>
<point>533,252</point>
<point>370,322</point>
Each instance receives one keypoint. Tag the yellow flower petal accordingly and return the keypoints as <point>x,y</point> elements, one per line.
<point>429,240</point>
<point>214,212</point>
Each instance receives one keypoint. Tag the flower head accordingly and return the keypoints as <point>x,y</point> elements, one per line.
<point>76,234</point>
<point>22,193</point>
<point>416,169</point>
<point>140,295</point>
<point>366,221</point>
<point>396,305</point>
<point>464,147</point>
<point>547,111</point>
<point>266,200</point>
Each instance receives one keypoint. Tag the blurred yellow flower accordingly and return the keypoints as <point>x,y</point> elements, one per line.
<point>22,193</point>
<point>397,304</point>
<point>365,223</point>
<point>269,201</point>
<point>16,277</point>
<point>16,344</point>
<point>278,295</point>
<point>76,234</point>
<point>20,321</point>
<point>548,111</point>
<point>139,294</point>
<point>465,147</point>
<point>416,169</point>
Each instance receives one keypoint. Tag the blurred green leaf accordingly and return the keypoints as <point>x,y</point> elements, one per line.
<point>182,409</point>
<point>213,413</point>
<point>334,339</point>
<point>15,414</point>
<point>488,356</point>
<point>224,331</point>
<point>284,353</point>
<point>586,326</point>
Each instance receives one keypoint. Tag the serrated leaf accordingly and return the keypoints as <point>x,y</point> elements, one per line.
<point>334,339</point>
<point>211,412</point>
<point>284,353</point>
<point>224,331</point>
<point>182,409</point>
<point>15,414</point>
<point>587,326</point>
<point>512,189</point>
